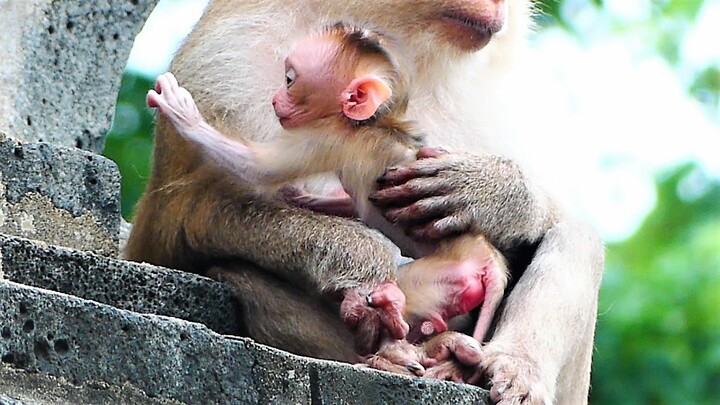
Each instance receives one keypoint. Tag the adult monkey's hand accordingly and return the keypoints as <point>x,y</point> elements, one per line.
<point>444,194</point>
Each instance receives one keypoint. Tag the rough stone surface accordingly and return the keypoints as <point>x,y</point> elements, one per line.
<point>4,400</point>
<point>61,66</point>
<point>22,388</point>
<point>286,378</point>
<point>136,287</point>
<point>59,195</point>
<point>166,358</point>
<point>83,341</point>
<point>125,229</point>
<point>11,401</point>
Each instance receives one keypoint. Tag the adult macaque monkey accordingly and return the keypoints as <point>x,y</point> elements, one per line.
<point>343,103</point>
<point>457,52</point>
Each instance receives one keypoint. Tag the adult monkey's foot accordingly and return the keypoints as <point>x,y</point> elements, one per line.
<point>514,379</point>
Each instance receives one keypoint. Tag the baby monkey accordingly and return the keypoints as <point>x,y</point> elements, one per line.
<point>343,104</point>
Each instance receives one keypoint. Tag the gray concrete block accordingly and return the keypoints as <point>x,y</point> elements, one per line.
<point>5,400</point>
<point>132,286</point>
<point>59,195</point>
<point>61,66</point>
<point>82,341</point>
<point>292,379</point>
<point>18,387</point>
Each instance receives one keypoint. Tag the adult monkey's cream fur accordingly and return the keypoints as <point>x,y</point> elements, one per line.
<point>232,63</point>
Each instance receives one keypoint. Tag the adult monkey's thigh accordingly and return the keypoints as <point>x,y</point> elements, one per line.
<point>279,314</point>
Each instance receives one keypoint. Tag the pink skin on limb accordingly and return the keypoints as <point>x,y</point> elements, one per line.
<point>465,291</point>
<point>458,278</point>
<point>177,105</point>
<point>465,273</point>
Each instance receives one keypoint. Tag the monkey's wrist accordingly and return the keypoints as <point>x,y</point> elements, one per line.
<point>202,126</point>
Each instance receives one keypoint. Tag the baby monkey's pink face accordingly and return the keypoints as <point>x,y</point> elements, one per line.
<point>313,87</point>
<point>321,81</point>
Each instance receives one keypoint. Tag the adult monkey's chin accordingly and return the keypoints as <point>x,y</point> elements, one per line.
<point>470,25</point>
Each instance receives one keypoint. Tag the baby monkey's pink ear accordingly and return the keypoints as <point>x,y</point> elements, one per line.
<point>364,96</point>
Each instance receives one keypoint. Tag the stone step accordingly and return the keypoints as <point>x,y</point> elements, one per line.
<point>18,387</point>
<point>62,196</point>
<point>126,285</point>
<point>167,358</point>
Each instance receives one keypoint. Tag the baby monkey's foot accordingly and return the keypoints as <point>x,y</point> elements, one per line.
<point>449,356</point>
<point>398,356</point>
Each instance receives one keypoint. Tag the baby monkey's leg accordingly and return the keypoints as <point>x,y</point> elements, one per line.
<point>340,205</point>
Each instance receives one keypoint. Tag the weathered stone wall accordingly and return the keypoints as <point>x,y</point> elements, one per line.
<point>126,285</point>
<point>61,66</point>
<point>18,387</point>
<point>59,195</point>
<point>83,341</point>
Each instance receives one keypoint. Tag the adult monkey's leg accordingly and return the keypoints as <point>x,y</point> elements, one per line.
<point>545,332</point>
<point>278,314</point>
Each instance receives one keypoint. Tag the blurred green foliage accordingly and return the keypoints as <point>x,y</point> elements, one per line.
<point>658,335</point>
<point>129,142</point>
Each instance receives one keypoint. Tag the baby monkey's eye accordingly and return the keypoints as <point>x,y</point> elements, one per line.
<point>290,77</point>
